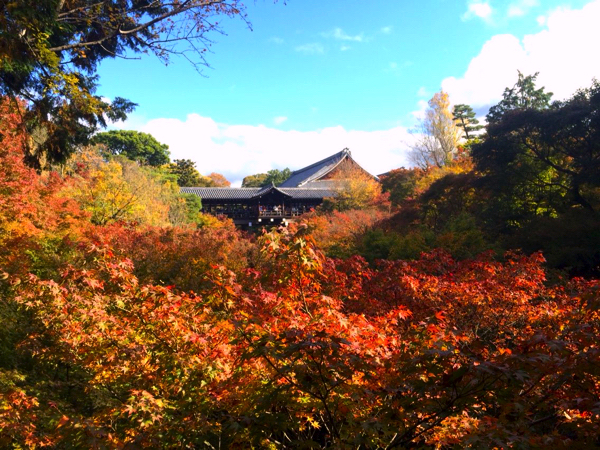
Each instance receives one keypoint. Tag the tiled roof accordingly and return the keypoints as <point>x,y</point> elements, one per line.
<point>214,193</point>
<point>315,171</point>
<point>265,190</point>
<point>323,184</point>
<point>309,193</point>
<point>221,193</point>
<point>305,183</point>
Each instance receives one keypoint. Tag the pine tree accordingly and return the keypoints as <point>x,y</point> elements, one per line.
<point>464,116</point>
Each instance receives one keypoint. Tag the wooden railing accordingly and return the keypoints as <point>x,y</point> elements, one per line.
<point>266,213</point>
<point>281,213</point>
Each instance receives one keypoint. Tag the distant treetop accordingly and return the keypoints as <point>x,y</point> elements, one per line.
<point>523,95</point>
<point>134,145</point>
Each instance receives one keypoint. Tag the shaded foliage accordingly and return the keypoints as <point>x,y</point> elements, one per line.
<point>400,183</point>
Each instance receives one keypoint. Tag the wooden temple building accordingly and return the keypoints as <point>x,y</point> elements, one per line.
<point>304,190</point>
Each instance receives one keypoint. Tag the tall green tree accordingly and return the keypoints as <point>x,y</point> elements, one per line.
<point>50,50</point>
<point>464,117</point>
<point>187,174</point>
<point>134,145</point>
<point>545,160</point>
<point>523,95</point>
<point>277,176</point>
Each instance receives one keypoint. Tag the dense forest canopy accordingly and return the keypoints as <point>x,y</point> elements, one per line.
<point>415,313</point>
<point>130,318</point>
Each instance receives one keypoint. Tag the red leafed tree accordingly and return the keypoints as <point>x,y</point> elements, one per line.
<point>301,349</point>
<point>219,180</point>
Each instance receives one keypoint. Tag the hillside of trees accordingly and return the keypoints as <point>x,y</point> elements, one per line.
<point>454,305</point>
<point>424,315</point>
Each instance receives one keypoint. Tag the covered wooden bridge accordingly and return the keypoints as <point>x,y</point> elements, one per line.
<point>304,190</point>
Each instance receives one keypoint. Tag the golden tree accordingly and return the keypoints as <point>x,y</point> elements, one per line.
<point>437,136</point>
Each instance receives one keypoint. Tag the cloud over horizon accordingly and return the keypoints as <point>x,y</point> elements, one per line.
<point>240,150</point>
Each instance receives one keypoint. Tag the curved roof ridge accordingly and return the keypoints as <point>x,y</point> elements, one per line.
<point>341,153</point>
<point>268,189</point>
<point>316,170</point>
<point>344,154</point>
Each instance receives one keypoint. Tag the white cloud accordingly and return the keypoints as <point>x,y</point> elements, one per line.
<point>240,150</point>
<point>279,120</point>
<point>276,40</point>
<point>341,35</point>
<point>424,92</point>
<point>419,114</point>
<point>561,53</point>
<point>313,48</point>
<point>387,30</point>
<point>480,9</point>
<point>344,48</point>
<point>521,7</point>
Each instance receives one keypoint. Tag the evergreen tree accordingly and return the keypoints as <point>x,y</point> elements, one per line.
<point>50,51</point>
<point>523,95</point>
<point>464,117</point>
<point>188,175</point>
<point>277,176</point>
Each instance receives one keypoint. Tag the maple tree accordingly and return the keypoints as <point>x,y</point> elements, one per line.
<point>121,190</point>
<point>219,180</point>
<point>338,233</point>
<point>355,189</point>
<point>303,349</point>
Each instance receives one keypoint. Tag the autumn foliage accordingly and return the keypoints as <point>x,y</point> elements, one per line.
<point>127,334</point>
<point>306,350</point>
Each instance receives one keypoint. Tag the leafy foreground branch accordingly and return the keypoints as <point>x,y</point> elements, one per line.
<point>304,351</point>
<point>50,51</point>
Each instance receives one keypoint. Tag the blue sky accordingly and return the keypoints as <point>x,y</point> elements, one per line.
<point>313,77</point>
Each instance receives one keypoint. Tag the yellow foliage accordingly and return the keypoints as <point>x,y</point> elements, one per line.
<point>356,188</point>
<point>437,135</point>
<point>121,190</point>
<point>462,164</point>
